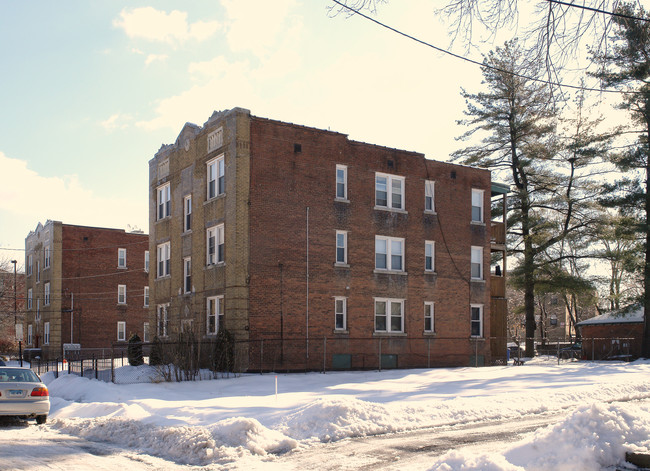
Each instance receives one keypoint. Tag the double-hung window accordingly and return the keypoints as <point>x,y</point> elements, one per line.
<point>121,331</point>
<point>146,261</point>
<point>389,253</point>
<point>29,334</point>
<point>429,192</point>
<point>145,332</point>
<point>389,315</point>
<point>47,257</point>
<point>215,245</point>
<point>216,177</point>
<point>121,258</point>
<point>187,213</point>
<point>29,298</point>
<point>29,264</point>
<point>46,333</point>
<point>477,263</point>
<point>429,256</point>
<point>187,275</point>
<point>162,320</point>
<point>214,314</point>
<point>46,289</point>
<point>121,294</point>
<point>477,205</point>
<point>428,317</point>
<point>476,320</point>
<point>163,260</point>
<point>341,247</point>
<point>164,201</point>
<point>389,191</point>
<point>146,297</point>
<point>340,313</point>
<point>38,271</point>
<point>341,182</point>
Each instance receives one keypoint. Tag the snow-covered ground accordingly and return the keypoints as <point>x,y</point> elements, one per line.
<point>240,422</point>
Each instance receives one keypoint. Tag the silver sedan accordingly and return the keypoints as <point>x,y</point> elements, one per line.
<point>23,394</point>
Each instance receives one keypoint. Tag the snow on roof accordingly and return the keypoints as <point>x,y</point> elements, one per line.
<point>630,315</point>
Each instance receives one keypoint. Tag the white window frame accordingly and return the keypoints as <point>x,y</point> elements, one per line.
<point>387,315</point>
<point>341,182</point>
<point>29,298</point>
<point>472,322</point>
<point>146,261</point>
<point>478,205</point>
<point>214,313</point>
<point>146,296</point>
<point>476,265</point>
<point>215,254</point>
<point>429,196</point>
<point>121,258</point>
<point>121,331</point>
<point>46,333</point>
<point>46,294</point>
<point>429,317</point>
<point>341,248</point>
<point>46,263</point>
<point>187,275</point>
<point>145,332</point>
<point>216,176</point>
<point>30,331</point>
<point>390,182</point>
<point>162,320</point>
<point>38,309</point>
<point>38,271</point>
<point>30,264</point>
<point>390,253</point>
<point>429,254</point>
<point>121,294</point>
<point>163,266</point>
<point>163,207</point>
<point>340,313</point>
<point>187,213</point>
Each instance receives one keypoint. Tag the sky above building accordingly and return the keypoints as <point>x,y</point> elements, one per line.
<point>91,90</point>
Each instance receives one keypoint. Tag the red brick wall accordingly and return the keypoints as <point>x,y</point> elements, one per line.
<point>603,341</point>
<point>284,183</point>
<point>90,259</point>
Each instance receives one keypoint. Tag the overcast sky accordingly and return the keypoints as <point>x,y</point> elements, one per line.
<point>89,90</point>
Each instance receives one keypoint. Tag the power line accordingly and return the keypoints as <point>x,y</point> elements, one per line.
<point>475,62</point>
<point>596,10</point>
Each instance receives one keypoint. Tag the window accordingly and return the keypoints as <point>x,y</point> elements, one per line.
<point>215,139</point>
<point>146,261</point>
<point>121,294</point>
<point>121,331</point>
<point>187,275</point>
<point>163,260</point>
<point>38,308</point>
<point>477,205</point>
<point>214,314</point>
<point>389,315</point>
<point>121,258</point>
<point>428,317</point>
<point>162,320</point>
<point>429,191</point>
<point>46,290</point>
<point>341,247</point>
<point>429,256</point>
<point>389,191</point>
<point>145,332</point>
<point>477,263</point>
<point>29,334</point>
<point>47,257</point>
<point>476,321</point>
<point>389,253</point>
<point>164,201</point>
<point>216,177</point>
<point>341,182</point>
<point>146,296</point>
<point>214,245</point>
<point>187,213</point>
<point>340,313</point>
<point>29,264</point>
<point>46,333</point>
<point>29,298</point>
<point>38,271</point>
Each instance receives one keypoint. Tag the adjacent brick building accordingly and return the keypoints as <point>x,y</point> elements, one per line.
<point>312,249</point>
<point>85,286</point>
<point>613,335</point>
<point>12,305</point>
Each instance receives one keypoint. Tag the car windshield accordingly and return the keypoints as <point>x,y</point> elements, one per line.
<point>18,375</point>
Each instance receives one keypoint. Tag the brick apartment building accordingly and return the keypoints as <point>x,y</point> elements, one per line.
<point>312,249</point>
<point>12,305</point>
<point>85,286</point>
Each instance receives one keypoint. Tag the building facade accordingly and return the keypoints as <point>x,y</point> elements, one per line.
<point>86,286</point>
<point>12,306</point>
<point>312,249</point>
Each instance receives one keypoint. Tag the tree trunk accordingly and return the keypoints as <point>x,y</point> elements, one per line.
<point>645,349</point>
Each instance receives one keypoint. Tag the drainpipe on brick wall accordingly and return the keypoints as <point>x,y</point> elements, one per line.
<point>307,274</point>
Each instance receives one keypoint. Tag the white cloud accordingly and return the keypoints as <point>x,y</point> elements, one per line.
<point>155,25</point>
<point>116,121</point>
<point>155,57</point>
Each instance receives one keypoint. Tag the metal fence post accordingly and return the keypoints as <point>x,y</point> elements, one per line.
<point>261,354</point>
<point>593,348</point>
<point>379,353</point>
<point>112,363</point>
<point>324,351</point>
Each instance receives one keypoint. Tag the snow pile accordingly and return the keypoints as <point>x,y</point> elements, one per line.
<point>226,420</point>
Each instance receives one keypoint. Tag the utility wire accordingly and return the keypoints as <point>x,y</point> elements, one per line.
<point>472,61</point>
<point>605,12</point>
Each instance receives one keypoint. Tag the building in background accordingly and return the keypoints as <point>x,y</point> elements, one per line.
<point>86,286</point>
<point>12,305</point>
<point>312,249</point>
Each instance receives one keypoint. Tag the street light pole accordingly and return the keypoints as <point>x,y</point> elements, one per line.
<point>15,297</point>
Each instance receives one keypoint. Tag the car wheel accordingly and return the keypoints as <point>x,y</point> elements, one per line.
<point>41,419</point>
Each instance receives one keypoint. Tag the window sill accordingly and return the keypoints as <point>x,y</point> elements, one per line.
<point>341,332</point>
<point>342,200</point>
<point>122,268</point>
<point>215,265</point>
<point>481,339</point>
<point>477,223</point>
<point>431,272</point>
<point>187,232</point>
<point>427,333</point>
<point>164,277</point>
<point>166,218</point>
<point>431,212</point>
<point>379,271</point>
<point>390,210</point>
<point>214,198</point>
<point>477,280</point>
<point>389,334</point>
<point>341,265</point>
